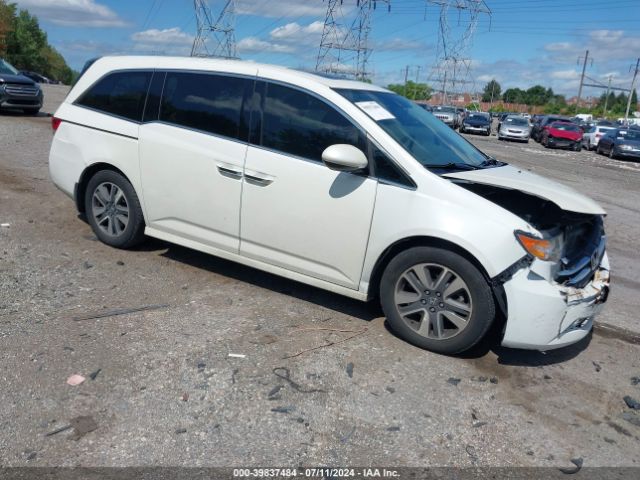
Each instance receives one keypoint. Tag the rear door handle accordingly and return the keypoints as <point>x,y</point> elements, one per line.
<point>228,171</point>
<point>258,178</point>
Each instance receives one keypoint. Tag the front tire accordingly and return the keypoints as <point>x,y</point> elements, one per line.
<point>436,299</point>
<point>113,210</point>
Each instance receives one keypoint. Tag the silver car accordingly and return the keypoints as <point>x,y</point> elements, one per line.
<point>447,114</point>
<point>514,127</point>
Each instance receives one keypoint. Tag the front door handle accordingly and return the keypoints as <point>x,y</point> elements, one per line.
<point>227,171</point>
<point>258,178</point>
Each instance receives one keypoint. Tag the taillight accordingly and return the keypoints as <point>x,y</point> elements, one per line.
<point>598,135</point>
<point>55,123</point>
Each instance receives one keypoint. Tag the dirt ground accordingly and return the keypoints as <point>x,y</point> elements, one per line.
<point>169,389</point>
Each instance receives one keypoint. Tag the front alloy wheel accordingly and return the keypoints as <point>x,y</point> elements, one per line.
<point>433,300</point>
<point>436,299</point>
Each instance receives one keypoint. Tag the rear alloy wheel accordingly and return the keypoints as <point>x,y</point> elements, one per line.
<point>612,153</point>
<point>113,210</point>
<point>436,299</point>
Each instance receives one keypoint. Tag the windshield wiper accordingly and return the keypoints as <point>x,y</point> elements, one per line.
<point>453,166</point>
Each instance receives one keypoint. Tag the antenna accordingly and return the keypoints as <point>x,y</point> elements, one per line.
<point>344,45</point>
<point>215,39</point>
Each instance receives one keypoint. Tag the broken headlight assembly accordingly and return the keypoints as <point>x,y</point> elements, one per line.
<point>548,248</point>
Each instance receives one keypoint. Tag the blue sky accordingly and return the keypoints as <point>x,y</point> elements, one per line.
<point>524,42</point>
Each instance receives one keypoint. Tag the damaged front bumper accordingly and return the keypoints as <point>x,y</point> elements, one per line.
<point>542,315</point>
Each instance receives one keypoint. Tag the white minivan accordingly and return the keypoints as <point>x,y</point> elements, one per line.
<point>335,183</point>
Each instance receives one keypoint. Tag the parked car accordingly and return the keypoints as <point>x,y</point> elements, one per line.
<point>541,122</point>
<point>592,136</point>
<point>18,91</point>
<point>36,77</point>
<point>620,143</point>
<point>335,183</point>
<point>514,127</point>
<point>447,114</point>
<point>562,135</point>
<point>476,122</point>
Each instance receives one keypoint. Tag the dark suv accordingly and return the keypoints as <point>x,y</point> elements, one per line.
<point>18,91</point>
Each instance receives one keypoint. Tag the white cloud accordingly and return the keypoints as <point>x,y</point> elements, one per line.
<point>558,46</point>
<point>170,41</point>
<point>166,37</point>
<point>255,45</point>
<point>565,74</point>
<point>290,8</point>
<point>296,32</point>
<point>73,13</point>
<point>399,44</point>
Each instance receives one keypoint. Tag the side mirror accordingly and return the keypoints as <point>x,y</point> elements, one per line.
<point>344,158</point>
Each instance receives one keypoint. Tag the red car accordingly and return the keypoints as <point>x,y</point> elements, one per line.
<point>562,135</point>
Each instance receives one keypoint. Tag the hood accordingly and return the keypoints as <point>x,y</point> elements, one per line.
<point>9,78</point>
<point>565,134</point>
<point>516,179</point>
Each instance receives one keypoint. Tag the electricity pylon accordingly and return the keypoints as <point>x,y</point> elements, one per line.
<point>344,46</point>
<point>215,39</point>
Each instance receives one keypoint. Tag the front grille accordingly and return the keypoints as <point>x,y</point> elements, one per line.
<point>585,244</point>
<point>19,89</point>
<point>514,131</point>
<point>442,117</point>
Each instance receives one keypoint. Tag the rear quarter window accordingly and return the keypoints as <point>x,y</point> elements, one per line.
<point>120,93</point>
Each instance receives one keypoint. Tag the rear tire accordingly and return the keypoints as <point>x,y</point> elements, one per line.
<point>113,210</point>
<point>436,299</point>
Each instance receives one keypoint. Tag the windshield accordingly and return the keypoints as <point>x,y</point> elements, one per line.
<point>478,116</point>
<point>569,127</point>
<point>427,139</point>
<point>445,109</point>
<point>7,68</point>
<point>520,121</point>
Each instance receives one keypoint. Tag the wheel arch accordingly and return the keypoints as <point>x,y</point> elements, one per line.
<point>429,241</point>
<point>416,241</point>
<point>85,177</point>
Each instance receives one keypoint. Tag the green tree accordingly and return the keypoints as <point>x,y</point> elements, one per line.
<point>491,91</point>
<point>412,90</point>
<point>514,95</point>
<point>537,95</point>
<point>24,44</point>
<point>7,15</point>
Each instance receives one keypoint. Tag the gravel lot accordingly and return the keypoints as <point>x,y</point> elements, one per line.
<point>168,393</point>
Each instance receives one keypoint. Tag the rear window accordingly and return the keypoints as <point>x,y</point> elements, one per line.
<point>119,93</point>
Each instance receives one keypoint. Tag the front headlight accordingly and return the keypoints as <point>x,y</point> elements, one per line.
<point>548,249</point>
<point>625,147</point>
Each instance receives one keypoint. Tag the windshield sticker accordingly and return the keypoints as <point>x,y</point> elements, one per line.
<point>375,111</point>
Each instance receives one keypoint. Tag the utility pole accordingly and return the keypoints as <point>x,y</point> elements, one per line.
<point>415,90</point>
<point>633,89</point>
<point>406,77</point>
<point>606,99</point>
<point>584,67</point>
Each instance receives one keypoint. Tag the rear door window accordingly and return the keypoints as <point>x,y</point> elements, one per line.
<point>207,102</point>
<point>297,123</point>
<point>120,93</point>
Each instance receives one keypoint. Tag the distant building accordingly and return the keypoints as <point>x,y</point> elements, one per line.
<point>588,102</point>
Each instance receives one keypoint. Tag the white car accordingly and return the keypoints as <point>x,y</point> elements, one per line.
<point>591,137</point>
<point>335,183</point>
